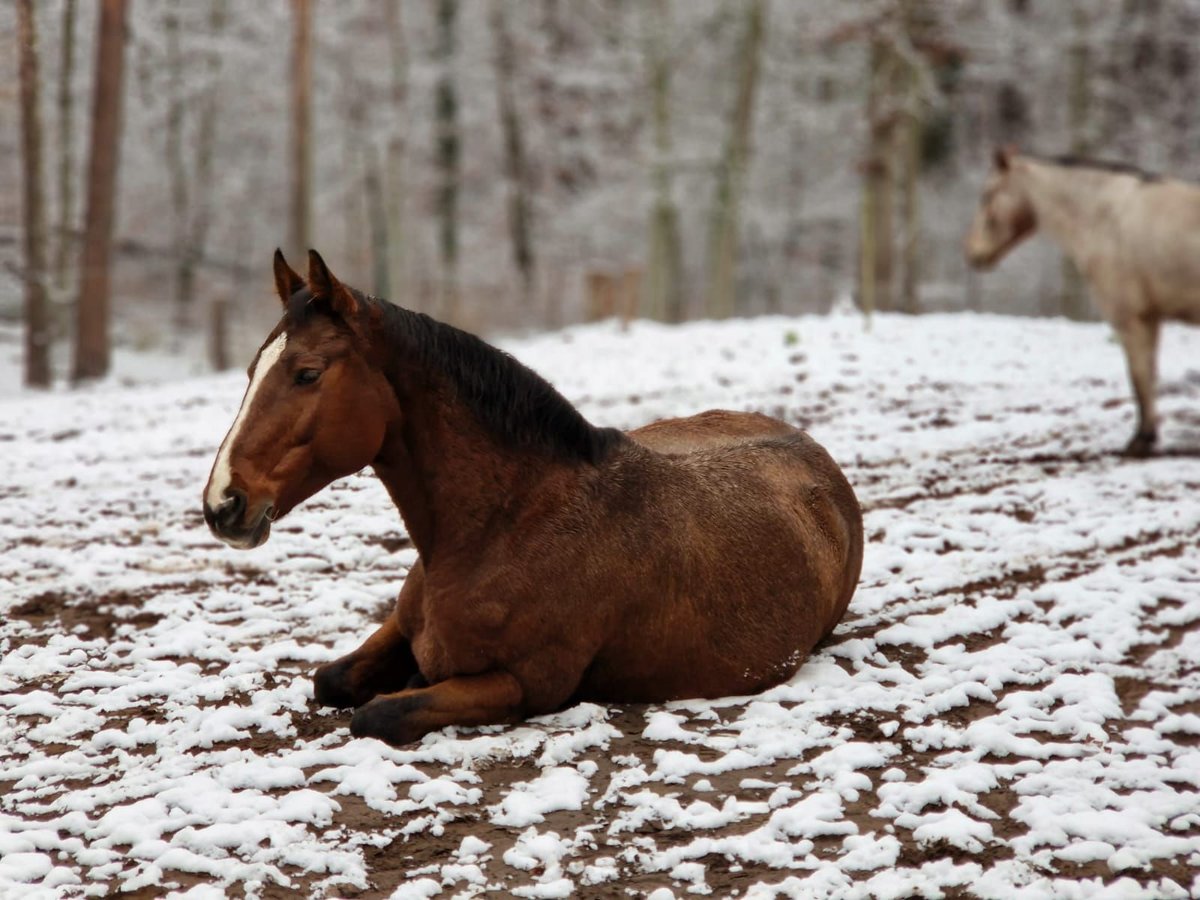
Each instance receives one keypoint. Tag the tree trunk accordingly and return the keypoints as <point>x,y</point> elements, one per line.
<point>356,203</point>
<point>301,237</point>
<point>377,219</point>
<point>664,264</point>
<point>66,148</point>
<point>910,260</point>
<point>908,153</point>
<point>396,246</point>
<point>218,334</point>
<point>176,168</point>
<point>876,236</point>
<point>601,296</point>
<point>92,351</point>
<point>447,154</point>
<point>731,171</point>
<point>520,212</point>
<point>868,281</point>
<point>546,106</point>
<point>222,312</point>
<point>206,135</point>
<point>1072,298</point>
<point>37,319</point>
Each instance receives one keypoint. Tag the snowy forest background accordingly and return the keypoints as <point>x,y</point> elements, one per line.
<point>523,165</point>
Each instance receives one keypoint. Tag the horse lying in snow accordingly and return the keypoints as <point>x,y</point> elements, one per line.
<point>694,557</point>
<point>1134,237</point>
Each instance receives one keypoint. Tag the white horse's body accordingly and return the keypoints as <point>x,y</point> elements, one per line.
<point>1134,237</point>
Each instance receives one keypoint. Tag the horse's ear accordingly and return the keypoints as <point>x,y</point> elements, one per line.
<point>1002,158</point>
<point>287,282</point>
<point>324,286</point>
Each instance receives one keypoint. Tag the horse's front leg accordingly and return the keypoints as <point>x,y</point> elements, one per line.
<point>1139,338</point>
<point>382,664</point>
<point>491,698</point>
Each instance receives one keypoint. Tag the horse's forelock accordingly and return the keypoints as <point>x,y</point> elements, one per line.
<point>304,306</point>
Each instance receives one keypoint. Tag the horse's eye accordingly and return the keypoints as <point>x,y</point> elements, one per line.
<point>307,376</point>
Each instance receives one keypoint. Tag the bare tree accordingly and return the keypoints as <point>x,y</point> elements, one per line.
<point>550,121</point>
<point>376,221</point>
<point>190,185</point>
<point>202,195</point>
<point>877,235</point>
<point>37,319</point>
<point>908,153</point>
<point>360,239</point>
<point>904,46</point>
<point>520,210</point>
<point>176,167</point>
<point>66,147</point>
<point>447,152</point>
<point>301,125</point>
<point>396,245</point>
<point>1073,299</point>
<point>731,170</point>
<point>664,264</point>
<point>92,350</point>
<point>920,47</point>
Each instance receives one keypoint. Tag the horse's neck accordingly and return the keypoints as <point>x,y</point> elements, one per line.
<point>1072,205</point>
<point>450,478</point>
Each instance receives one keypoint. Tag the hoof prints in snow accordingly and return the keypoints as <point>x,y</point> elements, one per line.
<point>1011,705</point>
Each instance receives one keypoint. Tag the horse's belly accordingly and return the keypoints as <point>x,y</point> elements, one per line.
<point>1181,306</point>
<point>717,643</point>
<point>656,669</point>
<point>1170,282</point>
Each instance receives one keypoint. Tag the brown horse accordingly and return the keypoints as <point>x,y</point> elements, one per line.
<point>695,557</point>
<point>1135,237</point>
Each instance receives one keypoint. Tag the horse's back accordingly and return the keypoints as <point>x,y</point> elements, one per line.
<point>1165,229</point>
<point>714,428</point>
<point>747,452</point>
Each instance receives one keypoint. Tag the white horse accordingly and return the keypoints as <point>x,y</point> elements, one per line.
<point>1135,238</point>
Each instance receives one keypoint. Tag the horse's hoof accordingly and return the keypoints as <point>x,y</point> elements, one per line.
<point>330,688</point>
<point>390,719</point>
<point>1140,446</point>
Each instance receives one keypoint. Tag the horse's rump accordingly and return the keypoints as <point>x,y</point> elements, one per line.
<point>745,553</point>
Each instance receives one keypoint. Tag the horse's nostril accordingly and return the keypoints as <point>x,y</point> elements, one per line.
<point>232,507</point>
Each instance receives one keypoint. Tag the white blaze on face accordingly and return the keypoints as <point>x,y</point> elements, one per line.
<point>221,475</point>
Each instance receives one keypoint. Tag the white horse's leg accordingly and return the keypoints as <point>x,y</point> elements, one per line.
<point>1139,337</point>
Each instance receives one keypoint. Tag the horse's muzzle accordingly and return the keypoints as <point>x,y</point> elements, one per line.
<point>978,258</point>
<point>230,522</point>
<point>982,262</point>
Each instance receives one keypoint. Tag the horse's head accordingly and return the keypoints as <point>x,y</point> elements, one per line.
<point>317,408</point>
<point>1005,215</point>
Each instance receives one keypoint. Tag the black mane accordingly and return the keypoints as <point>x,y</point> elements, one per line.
<point>519,407</point>
<point>1072,161</point>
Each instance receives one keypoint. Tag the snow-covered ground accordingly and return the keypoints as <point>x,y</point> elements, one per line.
<point>1011,708</point>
